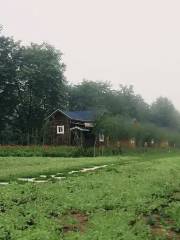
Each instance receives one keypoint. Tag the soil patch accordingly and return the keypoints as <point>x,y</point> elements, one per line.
<point>75,221</point>
<point>161,225</point>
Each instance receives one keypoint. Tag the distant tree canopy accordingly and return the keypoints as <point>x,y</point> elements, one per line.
<point>100,95</point>
<point>158,121</point>
<point>164,114</point>
<point>89,95</point>
<point>32,85</point>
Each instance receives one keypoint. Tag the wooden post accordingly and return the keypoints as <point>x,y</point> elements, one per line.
<point>95,147</point>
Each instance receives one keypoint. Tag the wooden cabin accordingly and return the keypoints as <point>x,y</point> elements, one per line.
<point>71,128</point>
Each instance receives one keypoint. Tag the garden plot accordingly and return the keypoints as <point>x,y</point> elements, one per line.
<point>136,200</point>
<point>161,223</point>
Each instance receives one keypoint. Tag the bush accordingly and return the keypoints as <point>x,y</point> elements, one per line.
<point>56,151</point>
<point>70,151</point>
<point>40,151</point>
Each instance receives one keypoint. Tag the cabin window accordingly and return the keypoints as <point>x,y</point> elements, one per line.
<point>60,129</point>
<point>101,137</point>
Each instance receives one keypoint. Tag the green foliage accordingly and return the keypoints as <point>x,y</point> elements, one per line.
<point>116,202</point>
<point>164,114</point>
<point>126,115</point>
<point>55,151</point>
<point>13,167</point>
<point>89,95</point>
<point>42,89</point>
<point>9,63</point>
<point>100,96</point>
<point>122,128</point>
<point>116,127</point>
<point>41,151</point>
<point>32,85</point>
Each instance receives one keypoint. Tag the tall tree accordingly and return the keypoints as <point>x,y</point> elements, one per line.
<point>9,64</point>
<point>41,85</point>
<point>32,85</point>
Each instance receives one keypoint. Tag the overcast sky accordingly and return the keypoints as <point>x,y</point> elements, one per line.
<point>123,41</point>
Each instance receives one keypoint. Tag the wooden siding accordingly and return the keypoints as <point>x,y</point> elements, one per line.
<point>59,119</point>
<point>75,137</point>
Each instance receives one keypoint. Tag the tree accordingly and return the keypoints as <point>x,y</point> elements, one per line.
<point>89,95</point>
<point>9,64</point>
<point>41,84</point>
<point>125,102</point>
<point>164,114</point>
<point>116,127</point>
<point>32,85</point>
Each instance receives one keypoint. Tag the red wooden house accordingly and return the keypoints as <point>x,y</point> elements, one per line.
<point>71,128</point>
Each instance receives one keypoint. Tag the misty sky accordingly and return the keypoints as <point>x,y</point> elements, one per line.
<point>123,41</point>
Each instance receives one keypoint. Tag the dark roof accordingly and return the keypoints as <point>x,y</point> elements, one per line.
<point>85,116</point>
<point>81,115</point>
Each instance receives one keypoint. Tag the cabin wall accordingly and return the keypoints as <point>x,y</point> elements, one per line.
<point>73,137</point>
<point>59,119</point>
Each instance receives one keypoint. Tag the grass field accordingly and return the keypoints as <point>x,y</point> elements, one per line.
<point>135,197</point>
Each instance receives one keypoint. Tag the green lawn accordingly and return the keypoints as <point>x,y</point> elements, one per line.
<point>136,198</point>
<point>13,167</point>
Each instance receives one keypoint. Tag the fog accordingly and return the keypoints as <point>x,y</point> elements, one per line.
<point>125,42</point>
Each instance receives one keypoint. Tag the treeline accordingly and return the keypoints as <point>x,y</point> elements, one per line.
<point>126,115</point>
<point>33,85</point>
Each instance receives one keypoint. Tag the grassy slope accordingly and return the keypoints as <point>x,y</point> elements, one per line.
<point>114,198</point>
